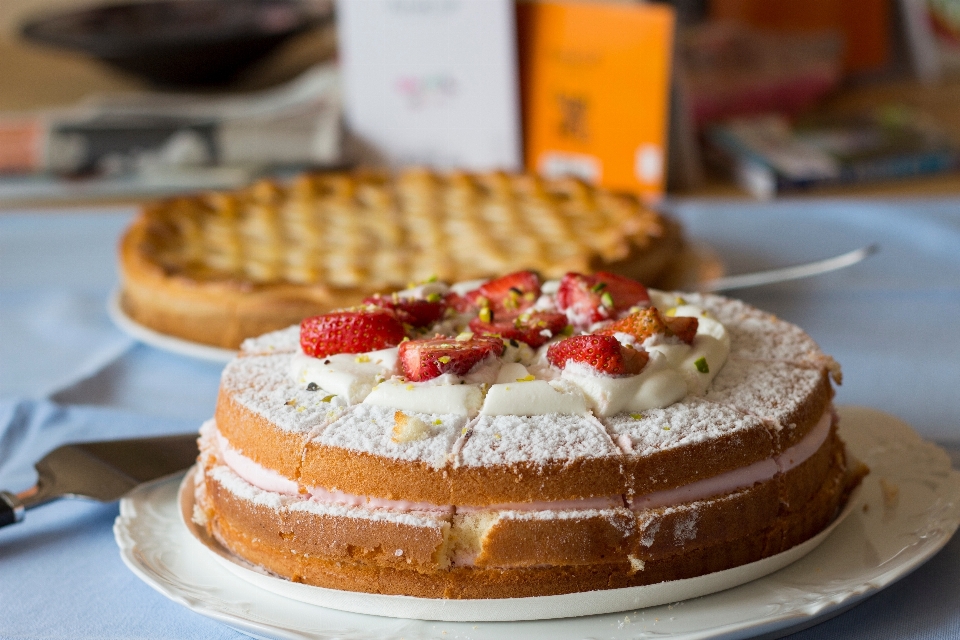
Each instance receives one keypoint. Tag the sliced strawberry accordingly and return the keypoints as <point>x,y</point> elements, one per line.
<point>648,322</point>
<point>603,353</point>
<point>600,296</point>
<point>460,304</point>
<point>426,359</point>
<point>684,327</point>
<point>350,332</point>
<point>513,292</point>
<point>412,311</point>
<point>534,328</point>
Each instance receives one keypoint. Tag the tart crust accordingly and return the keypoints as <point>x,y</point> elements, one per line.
<point>218,268</point>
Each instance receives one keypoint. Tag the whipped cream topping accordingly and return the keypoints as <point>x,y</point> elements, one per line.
<point>351,376</point>
<point>521,381</point>
<point>457,399</point>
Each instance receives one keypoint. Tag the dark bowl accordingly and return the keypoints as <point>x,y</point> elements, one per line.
<point>180,43</point>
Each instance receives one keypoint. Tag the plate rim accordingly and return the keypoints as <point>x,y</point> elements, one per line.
<point>163,341</point>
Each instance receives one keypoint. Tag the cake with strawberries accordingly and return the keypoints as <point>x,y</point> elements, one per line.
<point>514,437</point>
<point>217,268</point>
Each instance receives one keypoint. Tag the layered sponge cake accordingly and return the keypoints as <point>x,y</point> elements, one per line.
<point>217,268</point>
<point>513,438</point>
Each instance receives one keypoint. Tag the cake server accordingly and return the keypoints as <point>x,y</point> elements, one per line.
<point>103,471</point>
<point>789,273</point>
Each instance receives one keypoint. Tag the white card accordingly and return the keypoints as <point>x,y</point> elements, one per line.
<point>432,82</point>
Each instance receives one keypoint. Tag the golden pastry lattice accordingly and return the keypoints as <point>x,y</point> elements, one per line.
<point>379,231</point>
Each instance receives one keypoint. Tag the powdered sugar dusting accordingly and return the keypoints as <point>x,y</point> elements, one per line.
<point>769,390</point>
<point>369,428</point>
<point>281,341</point>
<point>687,422</point>
<point>758,335</point>
<point>503,440</point>
<point>263,385</point>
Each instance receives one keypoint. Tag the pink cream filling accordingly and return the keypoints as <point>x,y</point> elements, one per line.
<point>740,478</point>
<point>252,472</point>
<point>326,496</point>
<point>269,480</point>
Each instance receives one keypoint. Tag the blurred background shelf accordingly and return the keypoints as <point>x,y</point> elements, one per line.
<point>35,79</point>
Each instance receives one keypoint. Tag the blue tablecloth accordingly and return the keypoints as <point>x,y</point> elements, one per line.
<point>67,374</point>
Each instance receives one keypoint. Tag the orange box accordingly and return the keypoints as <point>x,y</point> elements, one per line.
<point>595,85</point>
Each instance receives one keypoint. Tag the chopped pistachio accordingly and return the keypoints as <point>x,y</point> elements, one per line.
<point>329,398</point>
<point>463,337</point>
<point>636,416</point>
<point>607,300</point>
<point>701,365</point>
<point>362,358</point>
<point>486,315</point>
<point>438,421</point>
<point>444,359</point>
<point>671,312</point>
<point>680,301</point>
<point>433,297</point>
<point>526,378</point>
<point>597,288</point>
<point>290,402</point>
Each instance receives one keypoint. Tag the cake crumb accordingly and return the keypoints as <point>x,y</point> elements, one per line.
<point>408,428</point>
<point>636,564</point>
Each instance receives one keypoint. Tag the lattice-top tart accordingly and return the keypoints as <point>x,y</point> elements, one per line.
<point>221,267</point>
<point>513,437</point>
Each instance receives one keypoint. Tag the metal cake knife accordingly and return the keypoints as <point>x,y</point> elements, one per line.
<point>790,273</point>
<point>103,471</point>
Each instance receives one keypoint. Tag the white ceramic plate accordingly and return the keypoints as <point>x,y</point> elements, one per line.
<point>161,340</point>
<point>906,511</point>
